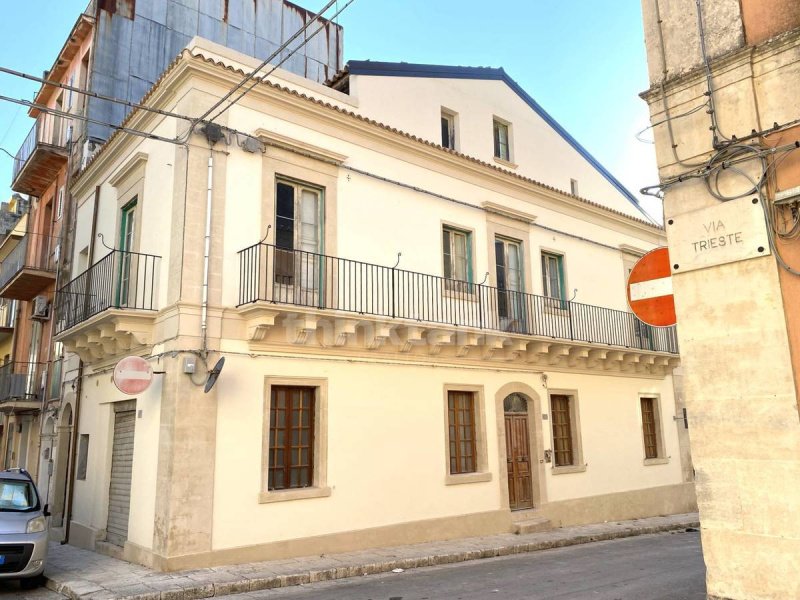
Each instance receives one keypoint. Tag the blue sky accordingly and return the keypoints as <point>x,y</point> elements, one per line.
<point>582,60</point>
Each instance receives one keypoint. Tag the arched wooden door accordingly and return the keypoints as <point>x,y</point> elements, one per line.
<point>518,452</point>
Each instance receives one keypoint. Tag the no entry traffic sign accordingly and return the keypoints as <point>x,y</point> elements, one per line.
<point>650,289</point>
<point>132,375</point>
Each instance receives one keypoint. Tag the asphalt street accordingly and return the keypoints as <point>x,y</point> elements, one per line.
<point>653,567</point>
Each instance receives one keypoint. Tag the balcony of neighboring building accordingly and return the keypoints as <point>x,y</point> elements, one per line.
<point>297,297</point>
<point>42,155</point>
<point>110,307</point>
<point>8,318</point>
<point>26,269</point>
<point>21,386</point>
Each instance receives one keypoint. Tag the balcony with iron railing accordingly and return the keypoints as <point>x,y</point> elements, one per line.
<point>301,281</point>
<point>21,386</point>
<point>26,270</point>
<point>41,156</point>
<point>110,307</point>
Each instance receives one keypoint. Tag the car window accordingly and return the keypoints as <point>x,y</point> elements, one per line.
<point>17,495</point>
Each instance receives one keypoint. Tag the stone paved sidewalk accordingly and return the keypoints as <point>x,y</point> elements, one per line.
<point>80,573</point>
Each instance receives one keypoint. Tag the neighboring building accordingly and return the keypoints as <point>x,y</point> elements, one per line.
<point>405,360</point>
<point>116,48</point>
<point>726,135</point>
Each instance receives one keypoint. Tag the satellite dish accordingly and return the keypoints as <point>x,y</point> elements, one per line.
<point>213,374</point>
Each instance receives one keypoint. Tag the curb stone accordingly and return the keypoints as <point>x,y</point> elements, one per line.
<point>77,589</point>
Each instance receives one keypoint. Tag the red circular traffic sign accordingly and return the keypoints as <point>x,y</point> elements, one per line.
<point>650,289</point>
<point>132,375</point>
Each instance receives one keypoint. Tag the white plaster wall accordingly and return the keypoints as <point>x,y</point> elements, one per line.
<point>386,446</point>
<point>379,219</point>
<point>414,105</point>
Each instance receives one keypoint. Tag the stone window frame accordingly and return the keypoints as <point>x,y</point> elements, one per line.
<point>661,458</point>
<point>320,488</point>
<point>579,465</point>
<point>482,473</point>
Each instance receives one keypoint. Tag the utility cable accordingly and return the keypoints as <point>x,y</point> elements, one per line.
<point>91,94</point>
<point>67,115</point>
<point>274,67</point>
<point>263,64</point>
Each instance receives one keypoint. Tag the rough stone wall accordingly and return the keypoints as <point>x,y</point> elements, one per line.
<point>723,31</point>
<point>735,320</point>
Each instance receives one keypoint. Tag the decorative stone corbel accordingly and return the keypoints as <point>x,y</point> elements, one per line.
<point>257,327</point>
<point>299,329</point>
<point>596,357</point>
<point>376,335</point>
<point>492,346</point>
<point>576,354</point>
<point>466,341</point>
<point>514,348</point>
<point>411,336</point>
<point>436,339</point>
<point>537,352</point>
<point>343,330</point>
<point>556,353</point>
<point>613,360</point>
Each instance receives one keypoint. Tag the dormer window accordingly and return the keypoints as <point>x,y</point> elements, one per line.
<point>448,130</point>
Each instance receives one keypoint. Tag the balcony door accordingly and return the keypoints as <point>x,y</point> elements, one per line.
<point>297,263</point>
<point>127,233</point>
<point>510,284</point>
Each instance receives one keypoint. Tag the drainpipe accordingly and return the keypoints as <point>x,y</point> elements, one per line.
<point>73,453</point>
<point>204,309</point>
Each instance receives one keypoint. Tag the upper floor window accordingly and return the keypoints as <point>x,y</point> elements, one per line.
<point>60,203</point>
<point>448,130</point>
<point>502,147</point>
<point>553,275</point>
<point>573,187</point>
<point>456,254</point>
<point>297,216</point>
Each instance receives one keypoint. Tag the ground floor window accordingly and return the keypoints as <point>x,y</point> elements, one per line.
<point>562,431</point>
<point>651,427</point>
<point>461,427</point>
<point>291,437</point>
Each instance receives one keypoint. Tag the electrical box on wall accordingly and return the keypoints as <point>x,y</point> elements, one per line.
<point>189,365</point>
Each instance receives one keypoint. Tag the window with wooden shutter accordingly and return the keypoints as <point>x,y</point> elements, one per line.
<point>457,259</point>
<point>461,428</point>
<point>291,437</point>
<point>563,454</point>
<point>649,427</point>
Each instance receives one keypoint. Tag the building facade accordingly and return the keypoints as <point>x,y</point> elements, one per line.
<point>724,108</point>
<point>116,49</point>
<point>419,343</point>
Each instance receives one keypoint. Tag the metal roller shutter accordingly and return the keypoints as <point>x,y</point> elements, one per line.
<point>119,497</point>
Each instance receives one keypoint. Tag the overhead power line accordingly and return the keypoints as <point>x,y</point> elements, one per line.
<point>67,115</point>
<point>267,61</point>
<point>85,92</point>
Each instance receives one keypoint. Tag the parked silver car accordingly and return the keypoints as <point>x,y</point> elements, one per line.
<point>23,529</point>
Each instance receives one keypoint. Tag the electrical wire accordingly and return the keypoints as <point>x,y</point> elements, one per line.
<point>91,94</point>
<point>667,120</point>
<point>276,66</point>
<point>66,115</point>
<point>263,64</point>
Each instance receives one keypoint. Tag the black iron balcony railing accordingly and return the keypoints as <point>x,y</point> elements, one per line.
<point>125,280</point>
<point>272,274</point>
<point>21,381</point>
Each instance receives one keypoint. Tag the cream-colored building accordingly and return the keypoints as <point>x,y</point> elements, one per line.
<point>419,343</point>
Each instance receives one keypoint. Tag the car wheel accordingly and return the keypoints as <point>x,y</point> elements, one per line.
<point>30,583</point>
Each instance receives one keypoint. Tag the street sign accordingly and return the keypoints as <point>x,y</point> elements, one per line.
<point>132,375</point>
<point>650,289</point>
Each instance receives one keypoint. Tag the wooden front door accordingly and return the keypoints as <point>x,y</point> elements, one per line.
<point>518,461</point>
